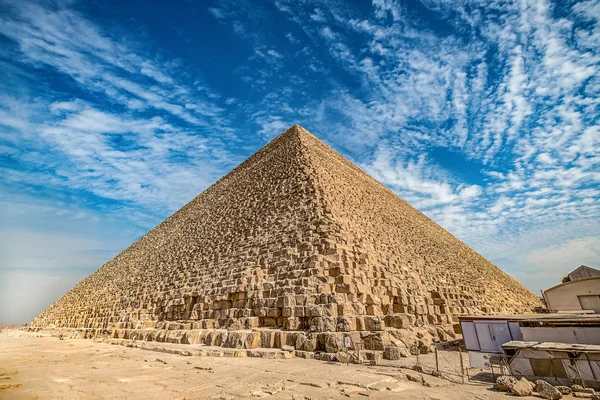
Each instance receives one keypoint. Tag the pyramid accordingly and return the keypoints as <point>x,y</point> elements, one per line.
<point>296,245</point>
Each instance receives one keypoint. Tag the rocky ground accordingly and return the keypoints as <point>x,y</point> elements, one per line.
<point>44,367</point>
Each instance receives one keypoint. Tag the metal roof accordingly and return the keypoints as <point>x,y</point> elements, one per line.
<point>553,317</point>
<point>574,282</point>
<point>591,348</point>
<point>583,272</point>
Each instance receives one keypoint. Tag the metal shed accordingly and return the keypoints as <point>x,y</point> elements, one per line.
<point>488,335</point>
<point>484,335</point>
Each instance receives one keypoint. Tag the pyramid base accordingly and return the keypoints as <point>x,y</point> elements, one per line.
<point>388,343</point>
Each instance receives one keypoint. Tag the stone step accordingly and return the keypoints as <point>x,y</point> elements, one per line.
<point>201,350</point>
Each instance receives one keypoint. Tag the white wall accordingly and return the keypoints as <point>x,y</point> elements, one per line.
<point>564,297</point>
<point>580,335</point>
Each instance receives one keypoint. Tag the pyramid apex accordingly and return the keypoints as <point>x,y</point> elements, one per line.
<point>298,133</point>
<point>296,130</point>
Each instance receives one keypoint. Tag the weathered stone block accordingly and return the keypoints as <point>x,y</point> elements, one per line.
<point>373,323</point>
<point>310,344</point>
<point>398,321</point>
<point>333,342</point>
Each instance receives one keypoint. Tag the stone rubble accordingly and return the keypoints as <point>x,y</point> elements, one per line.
<point>295,247</point>
<point>564,389</point>
<point>522,388</point>
<point>581,389</point>
<point>547,391</point>
<point>505,382</point>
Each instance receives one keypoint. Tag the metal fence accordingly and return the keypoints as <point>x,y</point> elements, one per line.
<point>556,367</point>
<point>451,363</point>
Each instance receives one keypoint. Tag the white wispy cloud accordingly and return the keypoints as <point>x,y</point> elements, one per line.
<point>122,154</point>
<point>64,40</point>
<point>513,93</point>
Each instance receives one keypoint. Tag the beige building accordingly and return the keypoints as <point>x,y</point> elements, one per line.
<point>579,291</point>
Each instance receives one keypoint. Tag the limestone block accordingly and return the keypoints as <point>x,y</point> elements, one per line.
<point>565,390</point>
<point>280,339</point>
<point>267,338</point>
<point>346,324</point>
<point>300,340</point>
<point>344,357</point>
<point>547,391</point>
<point>522,388</point>
<point>252,322</point>
<point>195,336</point>
<point>235,340</point>
<point>333,342</point>
<point>310,344</point>
<point>373,323</point>
<point>253,340</point>
<point>505,382</point>
<point>399,321</point>
<point>581,389</point>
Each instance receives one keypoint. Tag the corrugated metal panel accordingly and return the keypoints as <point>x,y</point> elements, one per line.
<point>470,336</point>
<point>484,334</point>
<point>501,335</point>
<point>515,331</point>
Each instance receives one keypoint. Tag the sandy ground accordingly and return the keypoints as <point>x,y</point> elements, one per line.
<point>48,368</point>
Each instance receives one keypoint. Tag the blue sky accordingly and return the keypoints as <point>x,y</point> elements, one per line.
<point>482,114</point>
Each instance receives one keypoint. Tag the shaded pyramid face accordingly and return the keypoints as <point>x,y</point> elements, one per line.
<point>299,238</point>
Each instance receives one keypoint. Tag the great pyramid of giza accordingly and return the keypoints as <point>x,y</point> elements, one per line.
<point>297,242</point>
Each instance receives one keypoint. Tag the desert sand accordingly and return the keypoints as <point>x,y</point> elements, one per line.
<point>38,366</point>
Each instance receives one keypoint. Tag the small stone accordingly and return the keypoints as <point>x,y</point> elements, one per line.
<point>582,395</point>
<point>564,389</point>
<point>425,344</point>
<point>522,388</point>
<point>547,391</point>
<point>404,353</point>
<point>581,389</point>
<point>438,374</point>
<point>273,391</point>
<point>505,382</point>
<point>392,353</point>
<point>414,350</point>
<point>344,357</point>
<point>288,348</point>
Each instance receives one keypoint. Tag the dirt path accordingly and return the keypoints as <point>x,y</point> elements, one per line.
<point>48,368</point>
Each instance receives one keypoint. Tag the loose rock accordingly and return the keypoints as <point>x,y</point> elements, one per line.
<point>505,382</point>
<point>582,395</point>
<point>547,391</point>
<point>581,389</point>
<point>564,389</point>
<point>522,388</point>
